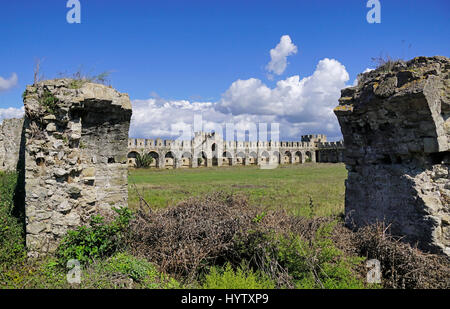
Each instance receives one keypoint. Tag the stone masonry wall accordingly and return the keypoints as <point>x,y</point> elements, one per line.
<point>396,128</point>
<point>10,142</point>
<point>75,157</point>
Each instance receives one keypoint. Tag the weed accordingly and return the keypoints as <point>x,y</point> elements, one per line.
<point>101,239</point>
<point>241,278</point>
<point>49,101</point>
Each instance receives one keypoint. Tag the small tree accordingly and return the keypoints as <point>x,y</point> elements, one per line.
<point>143,161</point>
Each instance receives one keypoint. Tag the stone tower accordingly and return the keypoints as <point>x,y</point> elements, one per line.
<point>76,136</point>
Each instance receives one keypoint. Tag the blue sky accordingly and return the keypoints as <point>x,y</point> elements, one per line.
<point>173,53</point>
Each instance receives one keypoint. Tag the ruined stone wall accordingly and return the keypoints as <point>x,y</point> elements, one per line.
<point>75,157</point>
<point>396,128</point>
<point>10,143</point>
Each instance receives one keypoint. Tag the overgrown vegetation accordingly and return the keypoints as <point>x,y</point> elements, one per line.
<point>11,223</point>
<point>143,161</point>
<point>49,102</point>
<point>79,78</point>
<point>402,266</point>
<point>222,230</point>
<point>385,63</point>
<point>242,278</point>
<point>100,240</point>
<point>219,240</point>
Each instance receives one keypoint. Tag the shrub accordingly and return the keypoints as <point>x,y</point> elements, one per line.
<point>139,270</point>
<point>317,263</point>
<point>199,161</point>
<point>12,237</point>
<point>196,233</point>
<point>99,240</point>
<point>402,266</point>
<point>49,101</point>
<point>243,278</point>
<point>222,229</point>
<point>143,161</point>
<point>136,269</point>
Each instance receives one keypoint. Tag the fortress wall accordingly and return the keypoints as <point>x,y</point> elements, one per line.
<point>396,128</point>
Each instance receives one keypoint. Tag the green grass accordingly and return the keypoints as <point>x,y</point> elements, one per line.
<point>287,187</point>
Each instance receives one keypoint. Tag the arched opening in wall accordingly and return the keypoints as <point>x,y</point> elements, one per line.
<point>131,158</point>
<point>334,156</point>
<point>318,156</point>
<point>287,157</point>
<point>276,157</point>
<point>215,160</point>
<point>298,157</point>
<point>252,158</point>
<point>308,156</point>
<point>324,157</point>
<point>155,157</point>
<point>186,160</point>
<point>169,159</point>
<point>265,158</point>
<point>240,158</point>
<point>202,160</point>
<point>227,158</point>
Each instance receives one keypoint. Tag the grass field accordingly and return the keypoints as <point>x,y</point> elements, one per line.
<point>289,187</point>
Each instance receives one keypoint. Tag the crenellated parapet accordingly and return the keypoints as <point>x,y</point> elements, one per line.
<point>210,149</point>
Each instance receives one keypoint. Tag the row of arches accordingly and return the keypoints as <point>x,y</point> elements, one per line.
<point>186,159</point>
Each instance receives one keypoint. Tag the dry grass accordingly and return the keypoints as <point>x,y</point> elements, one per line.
<point>184,240</point>
<point>196,231</point>
<point>403,266</point>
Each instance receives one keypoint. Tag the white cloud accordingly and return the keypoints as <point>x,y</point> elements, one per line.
<point>306,103</point>
<point>279,54</point>
<point>300,106</point>
<point>154,117</point>
<point>11,112</point>
<point>6,84</point>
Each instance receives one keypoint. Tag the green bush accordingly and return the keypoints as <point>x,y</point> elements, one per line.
<point>242,278</point>
<point>49,101</point>
<point>12,237</point>
<point>143,161</point>
<point>318,263</point>
<point>136,269</point>
<point>140,270</point>
<point>101,239</point>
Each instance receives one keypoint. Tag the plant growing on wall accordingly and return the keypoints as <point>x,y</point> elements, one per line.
<point>49,101</point>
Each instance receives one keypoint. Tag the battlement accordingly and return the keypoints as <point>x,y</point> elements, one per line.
<point>314,138</point>
<point>339,144</point>
<point>142,143</point>
<point>307,142</point>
